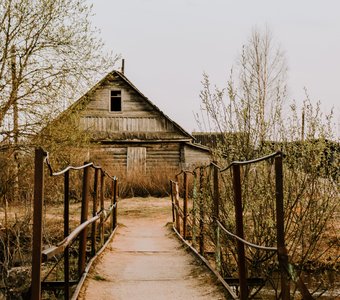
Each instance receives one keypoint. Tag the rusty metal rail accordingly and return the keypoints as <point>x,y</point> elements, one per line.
<point>96,239</point>
<point>244,241</point>
<point>248,162</point>
<point>214,193</point>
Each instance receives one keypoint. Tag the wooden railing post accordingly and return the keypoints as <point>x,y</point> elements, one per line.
<point>178,225</point>
<point>115,202</point>
<point>112,201</point>
<point>281,247</point>
<point>66,233</point>
<point>239,232</point>
<point>83,218</point>
<point>194,209</point>
<point>201,210</point>
<point>216,211</point>
<point>185,204</point>
<point>40,155</point>
<point>101,195</point>
<point>172,201</point>
<point>94,212</point>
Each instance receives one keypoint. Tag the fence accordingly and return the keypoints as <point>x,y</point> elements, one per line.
<point>96,242</point>
<point>193,226</point>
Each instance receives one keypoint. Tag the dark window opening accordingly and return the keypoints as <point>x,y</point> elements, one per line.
<point>116,101</point>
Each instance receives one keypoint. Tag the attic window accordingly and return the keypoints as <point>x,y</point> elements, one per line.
<point>116,101</point>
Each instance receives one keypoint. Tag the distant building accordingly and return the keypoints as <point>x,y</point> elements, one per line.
<point>209,139</point>
<point>130,132</point>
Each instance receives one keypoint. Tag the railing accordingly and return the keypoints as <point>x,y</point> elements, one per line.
<point>197,219</point>
<point>61,250</point>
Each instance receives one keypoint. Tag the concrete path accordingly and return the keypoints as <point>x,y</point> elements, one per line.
<point>145,260</point>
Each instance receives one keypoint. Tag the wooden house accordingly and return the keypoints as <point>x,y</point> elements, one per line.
<point>130,132</point>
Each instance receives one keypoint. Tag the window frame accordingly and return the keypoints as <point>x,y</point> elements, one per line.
<point>115,97</point>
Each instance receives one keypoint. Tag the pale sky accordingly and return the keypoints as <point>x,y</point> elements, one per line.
<point>168,44</point>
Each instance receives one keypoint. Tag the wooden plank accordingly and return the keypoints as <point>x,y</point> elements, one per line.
<point>136,159</point>
<point>120,124</point>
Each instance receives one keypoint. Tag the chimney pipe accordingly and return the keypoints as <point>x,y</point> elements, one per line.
<point>123,66</point>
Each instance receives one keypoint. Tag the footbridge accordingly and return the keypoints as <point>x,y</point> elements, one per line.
<point>180,247</point>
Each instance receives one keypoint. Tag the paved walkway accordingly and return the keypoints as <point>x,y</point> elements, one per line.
<point>145,260</point>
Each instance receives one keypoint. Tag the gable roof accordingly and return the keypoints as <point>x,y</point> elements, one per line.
<point>81,103</point>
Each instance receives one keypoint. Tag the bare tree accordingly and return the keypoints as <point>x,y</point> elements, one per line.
<point>48,52</point>
<point>254,117</point>
<point>250,106</point>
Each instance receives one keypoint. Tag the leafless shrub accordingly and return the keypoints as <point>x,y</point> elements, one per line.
<point>250,116</point>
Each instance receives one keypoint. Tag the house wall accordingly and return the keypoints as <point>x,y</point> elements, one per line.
<point>137,118</point>
<point>193,156</point>
<point>138,138</point>
<point>158,156</point>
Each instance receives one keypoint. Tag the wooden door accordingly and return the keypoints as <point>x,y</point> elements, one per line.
<point>136,160</point>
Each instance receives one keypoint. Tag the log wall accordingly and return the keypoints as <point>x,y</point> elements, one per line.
<point>194,156</point>
<point>157,155</point>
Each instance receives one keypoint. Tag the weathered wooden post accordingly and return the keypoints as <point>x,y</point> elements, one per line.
<point>83,218</point>
<point>216,210</point>
<point>172,201</point>
<point>102,217</point>
<point>66,233</point>
<point>112,203</point>
<point>94,212</point>
<point>239,232</point>
<point>185,204</point>
<point>178,224</point>
<point>115,202</point>
<point>201,209</point>
<point>281,247</point>
<point>39,158</point>
<point>194,208</point>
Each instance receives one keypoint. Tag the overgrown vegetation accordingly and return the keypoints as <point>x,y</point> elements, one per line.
<point>253,117</point>
<point>49,52</point>
<point>154,182</point>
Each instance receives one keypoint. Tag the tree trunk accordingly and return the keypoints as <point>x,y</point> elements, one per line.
<point>14,100</point>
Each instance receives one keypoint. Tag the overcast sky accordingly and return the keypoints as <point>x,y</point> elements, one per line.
<point>168,44</point>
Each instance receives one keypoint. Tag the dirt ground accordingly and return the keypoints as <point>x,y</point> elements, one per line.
<point>145,260</point>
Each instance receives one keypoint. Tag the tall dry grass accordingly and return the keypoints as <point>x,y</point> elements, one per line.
<point>140,183</point>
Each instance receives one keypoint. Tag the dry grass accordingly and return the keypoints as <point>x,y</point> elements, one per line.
<point>152,183</point>
<point>16,242</point>
<point>313,232</point>
<point>139,207</point>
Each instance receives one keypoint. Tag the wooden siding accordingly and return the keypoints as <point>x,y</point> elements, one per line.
<point>136,160</point>
<point>121,156</point>
<point>132,102</point>
<point>137,137</point>
<point>164,155</point>
<point>137,117</point>
<point>109,156</point>
<point>130,124</point>
<point>194,156</point>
